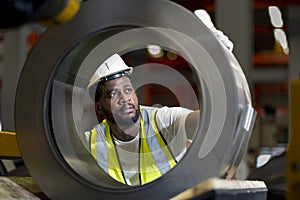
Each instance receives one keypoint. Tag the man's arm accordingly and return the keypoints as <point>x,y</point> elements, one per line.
<point>192,124</point>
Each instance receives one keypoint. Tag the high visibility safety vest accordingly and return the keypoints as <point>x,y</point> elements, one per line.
<point>155,157</point>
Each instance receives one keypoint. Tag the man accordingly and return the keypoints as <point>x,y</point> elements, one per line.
<point>135,144</point>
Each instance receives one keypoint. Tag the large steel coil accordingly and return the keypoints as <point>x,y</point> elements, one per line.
<point>51,98</point>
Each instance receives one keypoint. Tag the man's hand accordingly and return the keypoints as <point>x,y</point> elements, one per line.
<point>222,38</point>
<point>205,18</point>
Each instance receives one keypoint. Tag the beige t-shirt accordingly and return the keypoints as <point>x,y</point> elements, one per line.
<point>171,123</point>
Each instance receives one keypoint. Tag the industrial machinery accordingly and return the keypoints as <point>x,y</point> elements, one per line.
<point>49,12</point>
<point>52,99</point>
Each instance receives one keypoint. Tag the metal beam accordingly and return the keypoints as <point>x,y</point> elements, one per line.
<point>8,145</point>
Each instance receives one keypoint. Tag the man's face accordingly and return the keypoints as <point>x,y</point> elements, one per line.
<point>118,102</point>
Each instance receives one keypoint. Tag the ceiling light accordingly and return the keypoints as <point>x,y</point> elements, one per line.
<point>275,16</point>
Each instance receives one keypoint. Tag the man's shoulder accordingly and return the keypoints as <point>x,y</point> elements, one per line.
<point>99,128</point>
<point>169,111</point>
<point>150,109</point>
<point>147,107</point>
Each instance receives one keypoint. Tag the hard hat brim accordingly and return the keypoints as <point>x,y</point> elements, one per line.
<point>112,76</point>
<point>116,75</point>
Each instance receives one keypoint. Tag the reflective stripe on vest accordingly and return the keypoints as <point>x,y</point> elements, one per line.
<point>155,157</point>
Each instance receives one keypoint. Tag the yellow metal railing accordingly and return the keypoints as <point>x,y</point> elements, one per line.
<point>8,145</point>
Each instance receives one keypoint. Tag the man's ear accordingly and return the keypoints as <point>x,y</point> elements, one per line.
<point>98,108</point>
<point>99,112</point>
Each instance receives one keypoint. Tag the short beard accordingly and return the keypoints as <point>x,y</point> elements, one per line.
<point>120,122</point>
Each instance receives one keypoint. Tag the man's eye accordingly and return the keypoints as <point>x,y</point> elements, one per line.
<point>128,90</point>
<point>113,94</point>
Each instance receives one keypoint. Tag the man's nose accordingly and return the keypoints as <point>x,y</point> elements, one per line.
<point>124,98</point>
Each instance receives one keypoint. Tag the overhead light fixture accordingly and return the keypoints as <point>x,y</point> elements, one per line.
<point>275,16</point>
<point>280,37</point>
<point>262,160</point>
<point>155,51</point>
<point>171,55</point>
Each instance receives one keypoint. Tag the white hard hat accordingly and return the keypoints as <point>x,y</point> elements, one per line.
<point>113,67</point>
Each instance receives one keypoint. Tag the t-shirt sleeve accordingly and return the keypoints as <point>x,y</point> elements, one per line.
<point>171,123</point>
